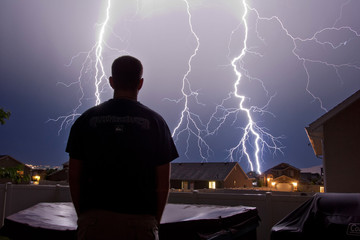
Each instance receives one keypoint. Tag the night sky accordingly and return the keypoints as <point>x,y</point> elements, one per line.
<point>302,58</point>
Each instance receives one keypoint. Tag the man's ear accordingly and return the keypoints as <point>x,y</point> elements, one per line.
<point>111,81</point>
<point>140,83</point>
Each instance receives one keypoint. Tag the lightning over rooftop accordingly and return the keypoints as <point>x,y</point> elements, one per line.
<point>236,81</point>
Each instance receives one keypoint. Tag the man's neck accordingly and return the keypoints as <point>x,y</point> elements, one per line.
<point>125,95</point>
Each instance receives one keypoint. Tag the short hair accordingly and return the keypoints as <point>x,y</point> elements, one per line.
<point>126,72</point>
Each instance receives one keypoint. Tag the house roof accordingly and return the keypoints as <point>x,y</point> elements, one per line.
<point>210,171</point>
<point>284,178</point>
<point>315,129</point>
<point>9,157</point>
<point>314,169</point>
<point>281,166</point>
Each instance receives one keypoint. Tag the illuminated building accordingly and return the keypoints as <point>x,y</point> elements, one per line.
<point>210,175</point>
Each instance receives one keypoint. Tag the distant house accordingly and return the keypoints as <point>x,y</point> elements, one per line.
<point>335,137</point>
<point>254,177</point>
<point>37,174</point>
<point>282,177</point>
<point>311,178</point>
<point>60,175</point>
<point>8,162</point>
<point>210,175</point>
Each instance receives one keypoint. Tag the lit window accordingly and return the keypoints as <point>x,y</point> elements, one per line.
<point>212,185</point>
<point>184,185</point>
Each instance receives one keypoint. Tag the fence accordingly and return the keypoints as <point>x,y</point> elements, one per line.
<point>14,197</point>
<point>271,207</point>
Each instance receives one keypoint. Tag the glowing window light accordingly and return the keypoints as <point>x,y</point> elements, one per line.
<point>212,185</point>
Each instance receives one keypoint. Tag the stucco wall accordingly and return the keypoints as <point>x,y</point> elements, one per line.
<point>342,151</point>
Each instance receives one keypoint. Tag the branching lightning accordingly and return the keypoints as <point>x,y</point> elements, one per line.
<point>252,130</point>
<point>93,61</point>
<point>314,38</point>
<point>188,119</point>
<point>253,136</point>
<point>253,139</point>
<point>99,66</point>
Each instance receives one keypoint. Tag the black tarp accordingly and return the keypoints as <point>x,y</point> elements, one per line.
<point>180,221</point>
<point>325,216</point>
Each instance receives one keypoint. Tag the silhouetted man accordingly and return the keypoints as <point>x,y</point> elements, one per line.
<point>120,153</point>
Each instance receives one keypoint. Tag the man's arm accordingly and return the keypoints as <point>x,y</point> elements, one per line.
<point>162,188</point>
<point>75,174</point>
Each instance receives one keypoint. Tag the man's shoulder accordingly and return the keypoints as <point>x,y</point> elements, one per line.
<point>87,114</point>
<point>151,112</point>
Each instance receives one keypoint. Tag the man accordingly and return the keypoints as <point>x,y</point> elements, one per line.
<point>120,153</point>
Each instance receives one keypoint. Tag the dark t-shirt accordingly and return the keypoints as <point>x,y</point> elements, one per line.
<point>121,142</point>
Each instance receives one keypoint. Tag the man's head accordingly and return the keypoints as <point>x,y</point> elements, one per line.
<point>126,74</point>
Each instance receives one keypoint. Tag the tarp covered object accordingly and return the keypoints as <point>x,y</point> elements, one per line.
<point>57,221</point>
<point>325,216</point>
<point>192,222</point>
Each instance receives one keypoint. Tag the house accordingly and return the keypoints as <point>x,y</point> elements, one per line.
<point>60,175</point>
<point>335,137</point>
<point>9,166</point>
<point>209,175</point>
<point>282,177</point>
<point>37,175</point>
<point>254,177</point>
<point>312,176</point>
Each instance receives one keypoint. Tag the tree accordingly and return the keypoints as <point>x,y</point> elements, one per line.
<point>14,174</point>
<point>4,115</point>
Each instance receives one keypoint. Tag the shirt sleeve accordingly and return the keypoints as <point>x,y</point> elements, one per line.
<point>75,144</point>
<point>168,151</point>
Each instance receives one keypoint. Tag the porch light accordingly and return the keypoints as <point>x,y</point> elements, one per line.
<point>36,179</point>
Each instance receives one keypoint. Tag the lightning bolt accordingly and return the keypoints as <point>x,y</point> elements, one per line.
<point>190,123</point>
<point>99,66</point>
<point>253,135</point>
<point>315,39</point>
<point>253,139</point>
<point>93,61</point>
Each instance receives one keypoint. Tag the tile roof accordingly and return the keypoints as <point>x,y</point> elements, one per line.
<point>202,171</point>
